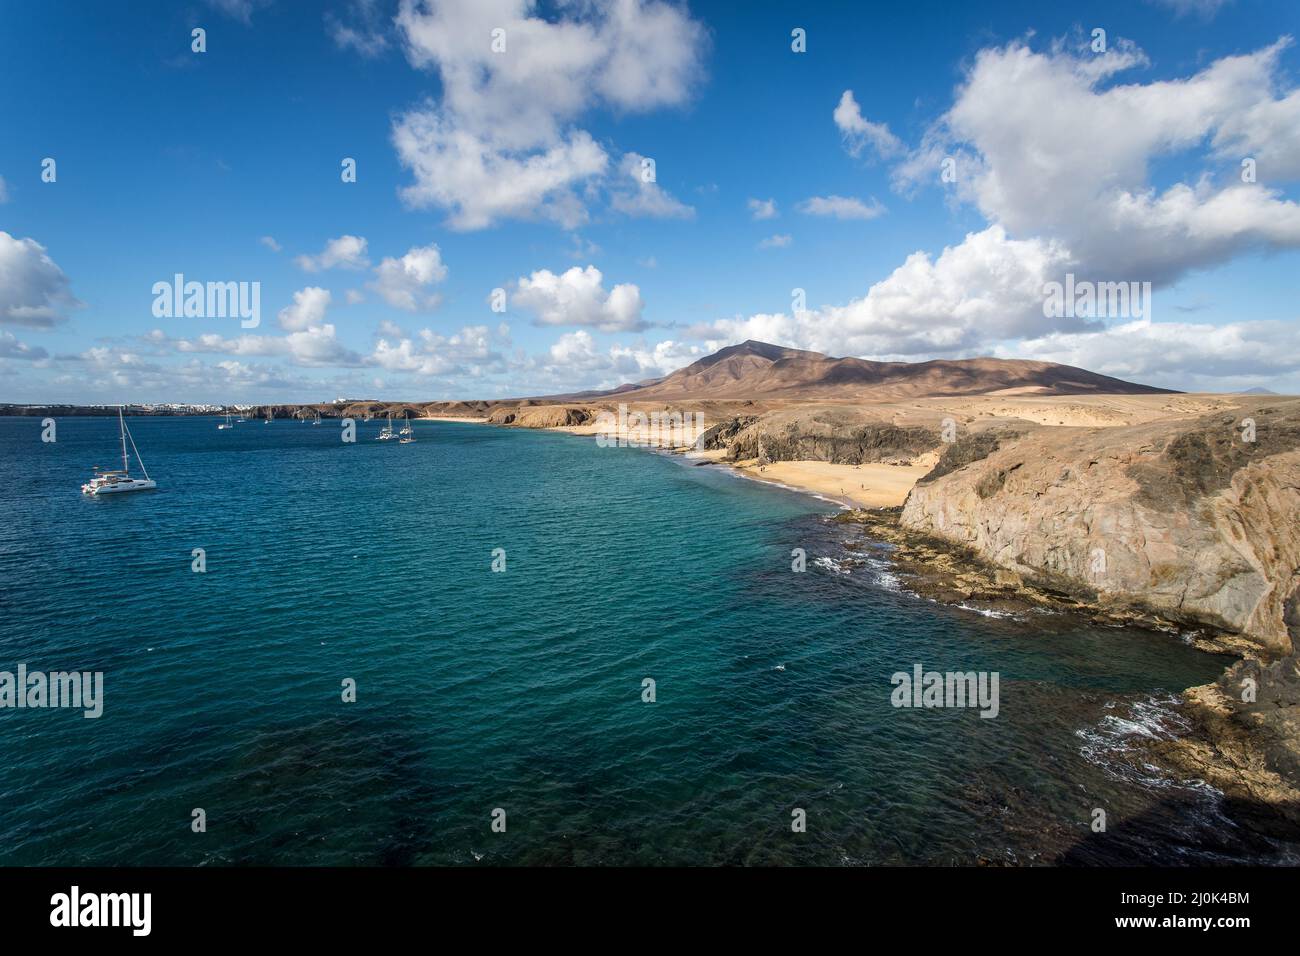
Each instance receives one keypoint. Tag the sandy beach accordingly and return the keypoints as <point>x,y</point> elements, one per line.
<point>870,485</point>
<point>860,486</point>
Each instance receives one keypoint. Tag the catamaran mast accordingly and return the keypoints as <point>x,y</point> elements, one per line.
<point>136,451</point>
<point>121,425</point>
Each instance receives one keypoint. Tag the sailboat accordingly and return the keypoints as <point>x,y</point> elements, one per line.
<point>317,421</point>
<point>227,423</point>
<point>114,482</point>
<point>386,432</point>
<point>407,432</point>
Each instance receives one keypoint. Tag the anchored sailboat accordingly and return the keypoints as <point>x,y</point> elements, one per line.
<point>113,482</point>
<point>386,432</point>
<point>407,432</point>
<point>226,424</point>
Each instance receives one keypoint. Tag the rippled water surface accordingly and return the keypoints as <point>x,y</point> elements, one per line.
<point>522,690</point>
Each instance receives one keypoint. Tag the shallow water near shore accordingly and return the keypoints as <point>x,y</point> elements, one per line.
<point>522,690</point>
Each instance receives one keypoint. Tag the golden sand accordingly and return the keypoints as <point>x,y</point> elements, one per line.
<point>872,485</point>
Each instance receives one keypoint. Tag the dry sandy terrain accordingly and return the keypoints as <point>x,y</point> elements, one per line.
<point>887,485</point>
<point>861,486</point>
<point>668,437</point>
<point>1078,411</point>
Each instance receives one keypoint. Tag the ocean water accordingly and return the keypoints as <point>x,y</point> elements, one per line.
<point>522,690</point>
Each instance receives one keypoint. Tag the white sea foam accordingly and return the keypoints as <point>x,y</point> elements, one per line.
<point>830,564</point>
<point>1111,743</point>
<point>883,575</point>
<point>986,611</point>
<point>799,491</point>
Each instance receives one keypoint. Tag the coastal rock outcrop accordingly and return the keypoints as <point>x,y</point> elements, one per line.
<point>844,436</point>
<point>475,409</point>
<point>541,416</point>
<point>1196,519</point>
<point>1246,742</point>
<point>722,434</point>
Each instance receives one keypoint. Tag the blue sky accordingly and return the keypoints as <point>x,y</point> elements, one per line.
<point>517,170</point>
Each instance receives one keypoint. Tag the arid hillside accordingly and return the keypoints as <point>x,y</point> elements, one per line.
<point>757,370</point>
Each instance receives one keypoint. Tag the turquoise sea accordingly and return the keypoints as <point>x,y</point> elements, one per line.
<point>522,690</point>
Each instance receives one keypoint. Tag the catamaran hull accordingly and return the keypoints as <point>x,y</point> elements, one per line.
<point>118,487</point>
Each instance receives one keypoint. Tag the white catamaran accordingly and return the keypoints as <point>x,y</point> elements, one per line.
<point>407,432</point>
<point>225,424</point>
<point>114,482</point>
<point>386,432</point>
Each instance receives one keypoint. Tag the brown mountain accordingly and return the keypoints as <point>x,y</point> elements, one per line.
<point>759,370</point>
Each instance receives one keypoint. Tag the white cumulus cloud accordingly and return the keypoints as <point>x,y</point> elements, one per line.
<point>500,141</point>
<point>578,297</point>
<point>841,207</point>
<point>470,352</point>
<point>307,310</point>
<point>860,133</point>
<point>1176,354</point>
<point>407,283</point>
<point>1020,115</point>
<point>1014,130</point>
<point>637,194</point>
<point>345,252</point>
<point>33,290</point>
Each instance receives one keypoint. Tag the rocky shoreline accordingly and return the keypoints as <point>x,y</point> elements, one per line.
<point>1246,750</point>
<point>948,573</point>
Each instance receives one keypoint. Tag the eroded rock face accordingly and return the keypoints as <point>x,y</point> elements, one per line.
<point>1246,743</point>
<point>1184,517</point>
<point>722,434</point>
<point>843,436</point>
<point>528,415</point>
<point>457,409</point>
<point>969,448</point>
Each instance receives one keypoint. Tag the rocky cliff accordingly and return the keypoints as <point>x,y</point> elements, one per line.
<point>1196,519</point>
<point>540,416</point>
<point>841,435</point>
